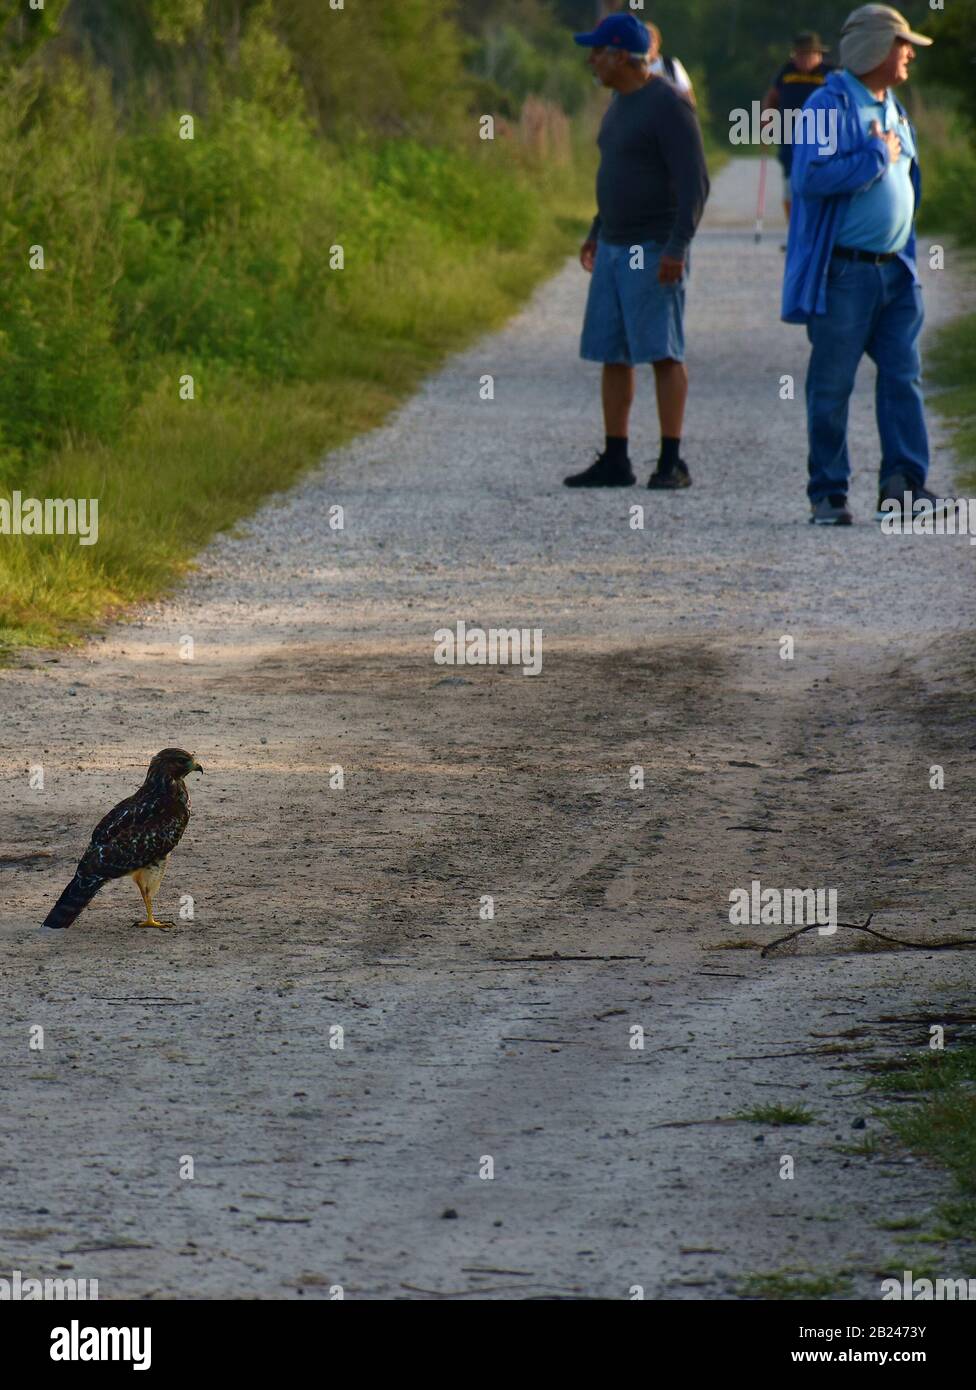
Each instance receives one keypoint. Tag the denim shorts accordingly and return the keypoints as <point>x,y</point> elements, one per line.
<point>631,317</point>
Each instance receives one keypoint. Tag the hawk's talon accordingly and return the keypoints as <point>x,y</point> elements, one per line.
<point>151,922</point>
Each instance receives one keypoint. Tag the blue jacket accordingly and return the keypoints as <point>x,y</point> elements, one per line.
<point>822,190</point>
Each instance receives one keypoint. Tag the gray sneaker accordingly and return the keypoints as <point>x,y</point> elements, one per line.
<point>897,490</point>
<point>831,511</point>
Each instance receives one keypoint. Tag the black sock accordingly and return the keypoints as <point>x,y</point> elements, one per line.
<point>616,450</point>
<point>669,452</point>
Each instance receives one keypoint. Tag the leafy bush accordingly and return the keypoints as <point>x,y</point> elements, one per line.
<point>948,162</point>
<point>217,255</point>
<point>211,256</point>
<point>477,196</point>
<point>212,252</point>
<point>60,366</point>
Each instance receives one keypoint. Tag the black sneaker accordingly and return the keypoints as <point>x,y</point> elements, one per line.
<point>898,491</point>
<point>831,511</point>
<point>601,473</point>
<point>670,478</point>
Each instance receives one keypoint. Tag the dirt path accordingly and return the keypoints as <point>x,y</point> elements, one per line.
<point>359,907</point>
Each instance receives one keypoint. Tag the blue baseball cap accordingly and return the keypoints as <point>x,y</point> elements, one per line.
<point>623,31</point>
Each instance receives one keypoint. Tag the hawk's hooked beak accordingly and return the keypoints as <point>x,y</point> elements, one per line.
<point>195,766</point>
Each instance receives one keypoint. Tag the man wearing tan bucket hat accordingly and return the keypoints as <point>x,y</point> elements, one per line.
<point>851,275</point>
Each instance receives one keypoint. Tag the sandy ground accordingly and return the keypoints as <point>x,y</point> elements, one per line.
<point>319,907</point>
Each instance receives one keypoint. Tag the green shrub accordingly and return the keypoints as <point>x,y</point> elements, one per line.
<point>948,163</point>
<point>211,256</point>
<point>218,258</point>
<point>61,371</point>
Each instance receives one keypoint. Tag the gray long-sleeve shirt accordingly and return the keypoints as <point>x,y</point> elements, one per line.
<point>652,182</point>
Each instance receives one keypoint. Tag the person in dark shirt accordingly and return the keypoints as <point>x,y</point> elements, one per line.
<point>651,189</point>
<point>798,79</point>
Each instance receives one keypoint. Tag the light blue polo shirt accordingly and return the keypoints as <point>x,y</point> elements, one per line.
<point>880,217</point>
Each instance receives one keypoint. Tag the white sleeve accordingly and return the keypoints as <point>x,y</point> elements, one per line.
<point>681,79</point>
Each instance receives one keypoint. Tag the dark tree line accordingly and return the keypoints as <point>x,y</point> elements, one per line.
<point>412,54</point>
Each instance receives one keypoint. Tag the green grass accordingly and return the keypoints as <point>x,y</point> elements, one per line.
<point>288,359</point>
<point>788,1284</point>
<point>941,1126</point>
<point>777,1115</point>
<point>949,174</point>
<point>135,257</point>
<point>930,1074</point>
<point>184,470</point>
<point>957,1221</point>
<point>949,206</point>
<point>952,366</point>
<point>900,1223</point>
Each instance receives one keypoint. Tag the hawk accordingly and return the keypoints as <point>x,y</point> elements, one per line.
<point>136,838</point>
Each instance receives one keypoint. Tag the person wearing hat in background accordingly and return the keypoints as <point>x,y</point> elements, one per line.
<point>851,275</point>
<point>651,188</point>
<point>804,73</point>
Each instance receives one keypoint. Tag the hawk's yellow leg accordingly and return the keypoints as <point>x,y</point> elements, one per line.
<point>143,884</point>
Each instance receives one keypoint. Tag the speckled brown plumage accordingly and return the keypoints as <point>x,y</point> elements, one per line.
<point>136,837</point>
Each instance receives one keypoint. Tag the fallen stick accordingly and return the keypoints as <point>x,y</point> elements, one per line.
<point>949,945</point>
<point>555,956</point>
<point>563,1042</point>
<point>464,1293</point>
<point>142,999</point>
<point>686,1124</point>
<point>756,829</point>
<point>776,1056</point>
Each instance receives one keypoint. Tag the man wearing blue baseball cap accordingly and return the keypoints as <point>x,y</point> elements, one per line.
<point>651,189</point>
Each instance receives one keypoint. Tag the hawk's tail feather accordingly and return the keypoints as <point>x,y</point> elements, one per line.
<point>76,896</point>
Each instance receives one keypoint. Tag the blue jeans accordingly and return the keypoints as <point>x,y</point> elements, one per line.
<point>873,309</point>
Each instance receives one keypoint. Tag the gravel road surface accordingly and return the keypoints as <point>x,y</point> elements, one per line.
<point>473,1043</point>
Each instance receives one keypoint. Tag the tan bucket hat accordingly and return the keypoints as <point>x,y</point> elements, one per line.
<point>869,32</point>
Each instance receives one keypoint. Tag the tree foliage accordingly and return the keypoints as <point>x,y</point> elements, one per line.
<point>407,64</point>
<point>953,59</point>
